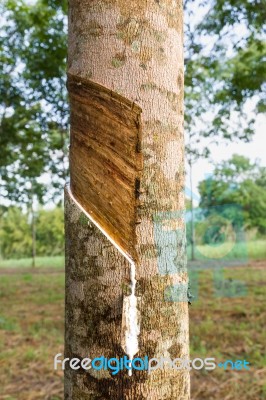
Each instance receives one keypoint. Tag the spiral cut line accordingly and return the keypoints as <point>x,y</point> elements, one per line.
<point>105,172</point>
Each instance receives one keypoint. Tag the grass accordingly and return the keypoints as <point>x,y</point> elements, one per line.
<point>230,328</point>
<point>31,333</point>
<point>257,250</point>
<point>252,250</point>
<point>41,262</point>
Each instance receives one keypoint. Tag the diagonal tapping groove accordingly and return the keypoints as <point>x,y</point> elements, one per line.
<point>106,158</point>
<point>105,172</point>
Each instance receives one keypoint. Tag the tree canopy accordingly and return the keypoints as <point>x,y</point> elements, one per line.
<point>16,235</point>
<point>224,69</point>
<point>33,104</point>
<point>240,182</point>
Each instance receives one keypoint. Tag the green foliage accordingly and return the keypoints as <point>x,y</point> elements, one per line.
<point>214,230</point>
<point>16,236</point>
<point>238,181</point>
<point>33,106</point>
<point>225,67</point>
<point>50,232</point>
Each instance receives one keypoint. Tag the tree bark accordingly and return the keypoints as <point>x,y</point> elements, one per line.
<point>192,214</point>
<point>33,233</point>
<point>125,81</point>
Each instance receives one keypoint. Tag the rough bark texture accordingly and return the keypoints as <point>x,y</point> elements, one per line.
<point>134,49</point>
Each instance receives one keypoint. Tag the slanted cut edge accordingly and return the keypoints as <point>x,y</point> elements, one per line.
<point>131,317</point>
<point>126,255</point>
<point>106,131</point>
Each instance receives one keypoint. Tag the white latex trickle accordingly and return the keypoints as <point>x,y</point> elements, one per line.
<point>132,330</point>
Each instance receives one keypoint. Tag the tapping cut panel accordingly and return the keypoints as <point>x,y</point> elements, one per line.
<point>106,158</point>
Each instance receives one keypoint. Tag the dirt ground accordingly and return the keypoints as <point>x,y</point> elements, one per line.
<point>32,325</point>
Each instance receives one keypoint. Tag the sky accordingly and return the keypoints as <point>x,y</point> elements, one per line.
<point>256,149</point>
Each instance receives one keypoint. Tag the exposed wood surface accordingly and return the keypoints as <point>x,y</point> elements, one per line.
<point>105,158</point>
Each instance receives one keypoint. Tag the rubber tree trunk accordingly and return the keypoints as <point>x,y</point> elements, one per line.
<point>125,202</point>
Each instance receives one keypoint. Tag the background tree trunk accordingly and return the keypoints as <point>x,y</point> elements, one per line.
<point>134,49</point>
<point>192,214</point>
<point>33,230</point>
